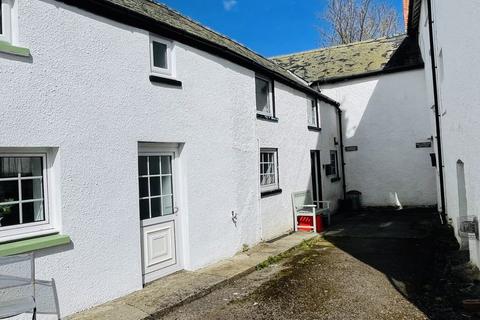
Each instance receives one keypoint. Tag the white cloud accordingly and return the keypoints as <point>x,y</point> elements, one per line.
<point>229,4</point>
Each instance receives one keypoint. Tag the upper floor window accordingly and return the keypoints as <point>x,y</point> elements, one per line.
<point>268,169</point>
<point>161,56</point>
<point>264,96</point>
<point>6,20</point>
<point>312,113</point>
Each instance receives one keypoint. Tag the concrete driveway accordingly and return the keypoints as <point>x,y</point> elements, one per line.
<point>375,265</point>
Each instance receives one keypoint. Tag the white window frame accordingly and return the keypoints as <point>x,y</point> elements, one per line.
<point>170,70</point>
<point>313,102</point>
<point>270,97</point>
<point>15,232</point>
<point>273,186</point>
<point>7,8</point>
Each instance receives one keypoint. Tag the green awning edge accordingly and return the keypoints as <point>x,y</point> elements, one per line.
<point>23,246</point>
<point>6,47</point>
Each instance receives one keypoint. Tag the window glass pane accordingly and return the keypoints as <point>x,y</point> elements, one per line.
<point>312,113</point>
<point>167,205</point>
<point>262,91</point>
<point>144,209</point>
<point>33,212</point>
<point>156,207</point>
<point>32,189</point>
<point>166,165</point>
<point>142,166</point>
<point>27,167</point>
<point>143,184</point>
<point>167,185</point>
<point>155,186</point>
<point>154,165</point>
<point>159,55</point>
<point>8,191</point>
<point>9,215</point>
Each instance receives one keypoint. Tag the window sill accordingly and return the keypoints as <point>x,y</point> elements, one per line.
<point>28,245</point>
<point>317,129</point>
<point>270,193</point>
<point>6,47</point>
<point>267,118</point>
<point>336,179</point>
<point>165,80</point>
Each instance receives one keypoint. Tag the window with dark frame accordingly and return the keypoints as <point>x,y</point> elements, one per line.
<point>269,169</point>
<point>263,95</point>
<point>22,183</point>
<point>332,168</point>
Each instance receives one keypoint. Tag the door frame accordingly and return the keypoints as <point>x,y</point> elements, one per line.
<point>148,149</point>
<point>316,174</point>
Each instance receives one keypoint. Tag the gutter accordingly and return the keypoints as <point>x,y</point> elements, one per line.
<point>340,126</point>
<point>368,74</point>
<point>443,215</point>
<point>342,148</point>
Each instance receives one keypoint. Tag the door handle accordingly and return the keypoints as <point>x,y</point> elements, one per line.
<point>175,209</point>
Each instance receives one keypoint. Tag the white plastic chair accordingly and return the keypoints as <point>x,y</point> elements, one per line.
<point>24,300</point>
<point>303,206</point>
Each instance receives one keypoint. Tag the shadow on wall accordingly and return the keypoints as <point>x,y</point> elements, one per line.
<point>385,117</point>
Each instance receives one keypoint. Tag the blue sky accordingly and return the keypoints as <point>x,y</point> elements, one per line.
<point>269,27</point>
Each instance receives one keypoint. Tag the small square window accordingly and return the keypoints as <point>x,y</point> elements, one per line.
<point>264,96</point>
<point>269,169</point>
<point>312,113</point>
<point>161,56</point>
<point>5,20</point>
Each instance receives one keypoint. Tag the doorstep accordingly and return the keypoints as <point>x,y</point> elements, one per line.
<point>161,296</point>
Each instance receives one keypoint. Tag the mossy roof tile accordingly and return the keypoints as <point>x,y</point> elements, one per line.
<point>355,59</point>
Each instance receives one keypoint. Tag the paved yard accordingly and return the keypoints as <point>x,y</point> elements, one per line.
<point>380,265</point>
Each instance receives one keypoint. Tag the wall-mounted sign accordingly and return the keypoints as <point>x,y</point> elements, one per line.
<point>424,145</point>
<point>351,148</point>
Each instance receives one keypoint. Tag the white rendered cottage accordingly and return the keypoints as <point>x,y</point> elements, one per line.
<point>137,142</point>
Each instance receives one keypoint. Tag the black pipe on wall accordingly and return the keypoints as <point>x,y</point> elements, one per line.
<point>437,111</point>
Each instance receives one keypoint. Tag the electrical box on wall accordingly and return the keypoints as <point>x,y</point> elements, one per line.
<point>468,227</point>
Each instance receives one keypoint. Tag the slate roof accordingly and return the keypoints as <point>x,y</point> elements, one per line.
<point>186,26</point>
<point>354,60</point>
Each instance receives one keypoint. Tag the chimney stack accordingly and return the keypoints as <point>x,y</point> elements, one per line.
<point>406,9</point>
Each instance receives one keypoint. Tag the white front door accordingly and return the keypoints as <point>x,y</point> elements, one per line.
<point>158,214</point>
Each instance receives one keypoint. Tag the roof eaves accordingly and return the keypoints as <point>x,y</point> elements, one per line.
<point>123,15</point>
<point>367,74</point>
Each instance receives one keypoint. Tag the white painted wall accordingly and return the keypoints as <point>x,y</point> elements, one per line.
<point>294,142</point>
<point>456,39</point>
<point>385,116</point>
<point>87,93</point>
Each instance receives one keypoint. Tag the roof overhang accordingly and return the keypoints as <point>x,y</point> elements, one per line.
<point>120,14</point>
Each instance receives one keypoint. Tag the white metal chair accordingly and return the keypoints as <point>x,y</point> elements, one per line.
<point>304,206</point>
<point>17,285</point>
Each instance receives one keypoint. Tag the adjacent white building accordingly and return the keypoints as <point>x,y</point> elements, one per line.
<point>387,131</point>
<point>137,143</point>
<point>447,31</point>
